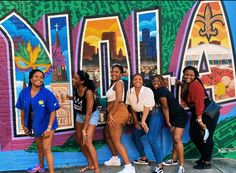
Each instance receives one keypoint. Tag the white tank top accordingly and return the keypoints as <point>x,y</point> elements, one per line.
<point>111,94</point>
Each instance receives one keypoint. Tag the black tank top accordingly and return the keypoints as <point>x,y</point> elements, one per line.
<point>80,103</point>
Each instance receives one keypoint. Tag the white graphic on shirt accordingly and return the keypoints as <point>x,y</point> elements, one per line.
<point>78,104</point>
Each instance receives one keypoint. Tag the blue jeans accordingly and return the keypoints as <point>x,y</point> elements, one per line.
<point>155,134</point>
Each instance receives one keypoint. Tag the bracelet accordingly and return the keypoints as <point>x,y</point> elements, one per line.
<point>49,128</point>
<point>198,120</point>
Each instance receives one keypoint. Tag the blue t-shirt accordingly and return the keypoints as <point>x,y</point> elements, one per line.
<point>43,103</point>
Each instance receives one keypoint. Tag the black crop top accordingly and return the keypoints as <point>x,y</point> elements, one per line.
<point>80,103</point>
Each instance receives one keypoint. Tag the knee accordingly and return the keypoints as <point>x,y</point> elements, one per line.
<point>46,150</point>
<point>177,139</point>
<point>89,143</point>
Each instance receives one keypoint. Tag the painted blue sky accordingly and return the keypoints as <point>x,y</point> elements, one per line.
<point>62,31</point>
<point>148,21</point>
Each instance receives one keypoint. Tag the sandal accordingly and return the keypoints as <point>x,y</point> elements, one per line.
<point>86,168</point>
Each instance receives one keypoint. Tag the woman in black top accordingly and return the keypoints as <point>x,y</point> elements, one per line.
<point>87,117</point>
<point>175,116</point>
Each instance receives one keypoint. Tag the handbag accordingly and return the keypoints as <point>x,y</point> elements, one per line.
<point>212,109</point>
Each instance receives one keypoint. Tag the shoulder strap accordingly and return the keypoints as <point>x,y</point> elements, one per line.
<point>203,87</point>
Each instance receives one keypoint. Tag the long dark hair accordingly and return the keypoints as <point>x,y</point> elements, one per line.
<point>185,87</point>
<point>31,74</point>
<point>84,76</point>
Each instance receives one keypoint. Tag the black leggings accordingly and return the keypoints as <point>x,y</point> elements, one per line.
<point>196,135</point>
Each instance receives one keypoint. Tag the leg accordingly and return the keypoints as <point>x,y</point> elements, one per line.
<point>109,141</point>
<point>174,154</point>
<point>39,145</point>
<point>136,136</point>
<point>90,147</point>
<point>155,136</point>
<point>47,142</point>
<point>208,146</point>
<point>83,148</point>
<point>195,135</point>
<point>116,133</point>
<point>178,145</point>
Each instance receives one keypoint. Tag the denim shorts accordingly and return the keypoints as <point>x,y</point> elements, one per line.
<point>80,118</point>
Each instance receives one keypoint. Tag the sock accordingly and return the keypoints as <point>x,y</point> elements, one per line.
<point>128,165</point>
<point>115,157</point>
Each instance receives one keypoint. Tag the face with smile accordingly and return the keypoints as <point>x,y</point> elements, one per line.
<point>115,73</point>
<point>137,81</point>
<point>157,82</point>
<point>37,79</point>
<point>76,80</point>
<point>189,76</point>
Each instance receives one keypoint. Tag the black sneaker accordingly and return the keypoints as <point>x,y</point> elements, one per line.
<point>139,161</point>
<point>199,161</point>
<point>203,166</point>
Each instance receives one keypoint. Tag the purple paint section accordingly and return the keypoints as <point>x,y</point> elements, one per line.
<point>129,25</point>
<point>179,43</point>
<point>6,95</point>
<point>40,26</point>
<point>105,64</point>
<point>75,39</point>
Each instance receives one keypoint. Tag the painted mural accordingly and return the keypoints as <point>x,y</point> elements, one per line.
<point>148,37</point>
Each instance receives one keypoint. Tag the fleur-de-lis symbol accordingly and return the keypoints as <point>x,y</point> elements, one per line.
<point>208,20</point>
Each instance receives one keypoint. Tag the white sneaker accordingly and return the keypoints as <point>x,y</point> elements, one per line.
<point>181,169</point>
<point>170,162</point>
<point>113,162</point>
<point>130,169</point>
<point>158,170</point>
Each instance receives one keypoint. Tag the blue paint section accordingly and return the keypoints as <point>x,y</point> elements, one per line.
<point>230,7</point>
<point>23,160</point>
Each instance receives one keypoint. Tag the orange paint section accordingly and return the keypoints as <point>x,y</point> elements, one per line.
<point>222,32</point>
<point>95,28</point>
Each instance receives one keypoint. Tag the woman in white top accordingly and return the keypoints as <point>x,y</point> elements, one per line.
<point>117,117</point>
<point>141,100</point>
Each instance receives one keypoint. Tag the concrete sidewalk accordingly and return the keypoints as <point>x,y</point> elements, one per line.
<point>218,166</point>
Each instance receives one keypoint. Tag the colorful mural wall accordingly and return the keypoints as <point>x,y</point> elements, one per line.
<point>148,37</point>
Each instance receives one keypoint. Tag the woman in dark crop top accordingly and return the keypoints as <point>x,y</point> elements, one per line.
<point>87,117</point>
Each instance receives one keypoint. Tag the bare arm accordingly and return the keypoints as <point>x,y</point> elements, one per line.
<point>89,108</point>
<point>22,116</point>
<point>165,110</point>
<point>69,97</point>
<point>144,117</point>
<point>136,123</point>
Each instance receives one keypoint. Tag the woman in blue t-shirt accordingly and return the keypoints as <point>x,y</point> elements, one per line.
<point>87,116</point>
<point>172,114</point>
<point>38,108</point>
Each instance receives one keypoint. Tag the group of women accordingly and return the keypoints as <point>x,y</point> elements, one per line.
<point>151,108</point>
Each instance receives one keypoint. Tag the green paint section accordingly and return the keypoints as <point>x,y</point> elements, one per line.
<point>225,141</point>
<point>69,146</point>
<point>172,13</point>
